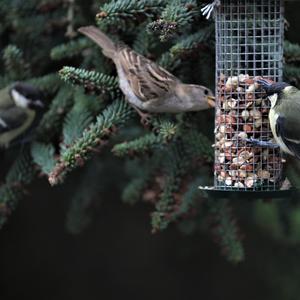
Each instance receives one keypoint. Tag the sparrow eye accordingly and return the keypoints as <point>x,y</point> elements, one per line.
<point>205,92</point>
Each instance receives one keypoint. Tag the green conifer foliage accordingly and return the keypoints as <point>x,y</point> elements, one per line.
<point>164,162</point>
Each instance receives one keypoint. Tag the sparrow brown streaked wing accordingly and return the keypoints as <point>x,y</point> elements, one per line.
<point>147,80</point>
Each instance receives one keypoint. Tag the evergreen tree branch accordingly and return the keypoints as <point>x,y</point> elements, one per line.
<point>225,230</point>
<point>176,166</point>
<point>43,156</point>
<point>117,11</point>
<point>292,73</point>
<point>165,132</point>
<point>113,116</point>
<point>52,119</point>
<point>175,16</point>
<point>91,81</point>
<point>70,49</point>
<point>15,65</point>
<point>291,52</point>
<point>19,176</point>
<point>83,196</point>
<point>192,42</point>
<point>49,83</point>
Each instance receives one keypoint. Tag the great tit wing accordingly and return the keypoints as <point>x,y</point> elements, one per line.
<point>12,118</point>
<point>288,131</point>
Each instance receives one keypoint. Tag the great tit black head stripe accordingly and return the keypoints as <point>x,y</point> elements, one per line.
<point>27,90</point>
<point>272,88</point>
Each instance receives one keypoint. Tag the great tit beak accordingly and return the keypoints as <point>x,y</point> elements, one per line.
<point>211,101</point>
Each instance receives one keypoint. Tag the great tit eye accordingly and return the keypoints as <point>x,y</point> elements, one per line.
<point>205,92</point>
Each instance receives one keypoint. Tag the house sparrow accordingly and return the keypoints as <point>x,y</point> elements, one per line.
<point>146,85</point>
<point>21,107</point>
<point>209,8</point>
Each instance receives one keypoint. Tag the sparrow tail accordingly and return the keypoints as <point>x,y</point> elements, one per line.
<point>95,34</point>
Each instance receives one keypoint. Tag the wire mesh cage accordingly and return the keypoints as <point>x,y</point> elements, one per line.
<point>249,45</point>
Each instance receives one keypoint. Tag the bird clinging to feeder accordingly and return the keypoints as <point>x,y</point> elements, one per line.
<point>284,115</point>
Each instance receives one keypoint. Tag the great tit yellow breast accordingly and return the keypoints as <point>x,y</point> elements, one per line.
<point>273,116</point>
<point>7,137</point>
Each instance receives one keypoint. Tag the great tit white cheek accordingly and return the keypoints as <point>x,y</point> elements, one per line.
<point>19,99</point>
<point>273,99</point>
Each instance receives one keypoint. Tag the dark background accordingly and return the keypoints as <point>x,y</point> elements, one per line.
<point>117,257</point>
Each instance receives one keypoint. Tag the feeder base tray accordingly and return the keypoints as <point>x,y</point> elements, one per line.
<point>250,195</point>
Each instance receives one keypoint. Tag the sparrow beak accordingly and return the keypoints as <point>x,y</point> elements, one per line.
<point>211,101</point>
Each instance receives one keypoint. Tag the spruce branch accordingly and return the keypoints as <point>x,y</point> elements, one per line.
<point>176,167</point>
<point>19,176</point>
<point>120,10</point>
<point>225,230</point>
<point>43,156</point>
<point>291,52</point>
<point>192,42</point>
<point>84,195</point>
<point>189,199</point>
<point>165,131</point>
<point>292,73</point>
<point>91,81</point>
<point>49,83</point>
<point>169,62</point>
<point>112,117</point>
<point>175,16</point>
<point>198,146</point>
<point>70,49</point>
<point>139,146</point>
<point>15,65</point>
<point>133,191</point>
<point>136,189</point>
<point>71,33</point>
<point>75,123</point>
<point>144,43</point>
<point>52,119</point>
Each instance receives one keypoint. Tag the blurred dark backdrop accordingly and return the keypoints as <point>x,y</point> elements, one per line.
<point>117,257</point>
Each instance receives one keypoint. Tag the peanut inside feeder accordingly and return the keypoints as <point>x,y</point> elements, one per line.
<point>242,113</point>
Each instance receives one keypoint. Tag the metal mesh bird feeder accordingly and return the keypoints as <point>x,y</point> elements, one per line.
<point>249,45</point>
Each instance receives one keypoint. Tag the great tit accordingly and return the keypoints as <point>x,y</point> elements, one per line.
<point>21,107</point>
<point>284,115</point>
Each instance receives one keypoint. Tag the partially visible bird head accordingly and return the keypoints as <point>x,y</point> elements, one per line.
<point>198,96</point>
<point>26,96</point>
<point>275,89</point>
<point>272,88</point>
